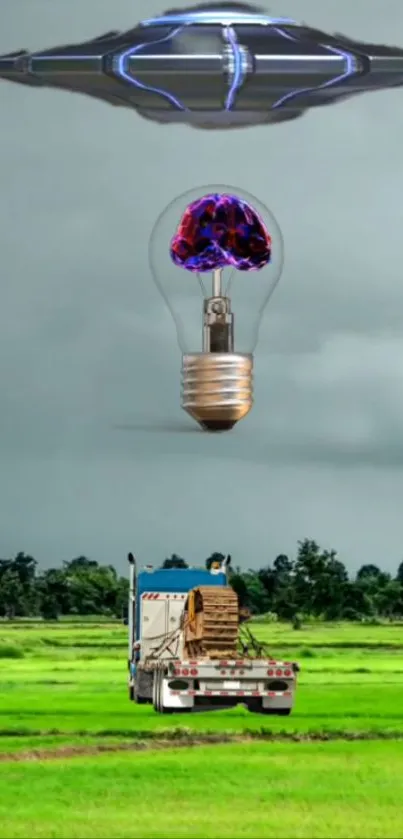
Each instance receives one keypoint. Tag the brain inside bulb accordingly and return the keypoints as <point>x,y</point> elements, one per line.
<point>220,230</point>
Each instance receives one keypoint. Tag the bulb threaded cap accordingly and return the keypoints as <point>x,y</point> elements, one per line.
<point>217,388</point>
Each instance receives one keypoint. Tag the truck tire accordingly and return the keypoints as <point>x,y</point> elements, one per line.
<point>159,691</point>
<point>160,705</point>
<point>256,707</point>
<point>156,691</point>
<point>134,696</point>
<point>280,712</point>
<point>157,694</point>
<point>161,708</point>
<point>139,700</point>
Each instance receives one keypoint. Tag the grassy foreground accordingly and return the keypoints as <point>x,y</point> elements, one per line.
<point>64,686</point>
<point>63,679</point>
<point>263,790</point>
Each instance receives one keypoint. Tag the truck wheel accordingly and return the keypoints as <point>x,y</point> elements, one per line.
<point>159,692</point>
<point>256,707</point>
<point>163,709</point>
<point>155,692</point>
<point>134,696</point>
<point>279,712</point>
<point>158,706</point>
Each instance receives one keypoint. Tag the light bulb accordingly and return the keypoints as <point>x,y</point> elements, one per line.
<point>216,254</point>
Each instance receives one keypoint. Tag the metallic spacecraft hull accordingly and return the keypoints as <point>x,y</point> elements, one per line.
<point>214,68</point>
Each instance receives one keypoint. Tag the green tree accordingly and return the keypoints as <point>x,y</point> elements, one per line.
<point>25,566</point>
<point>319,579</point>
<point>329,595</point>
<point>122,594</point>
<point>399,575</point>
<point>357,602</point>
<point>257,599</point>
<point>309,567</point>
<point>80,564</point>
<point>53,593</point>
<point>278,582</point>
<point>389,600</point>
<point>174,561</point>
<point>315,583</point>
<point>372,576</point>
<point>11,594</point>
<point>93,589</point>
<point>237,582</point>
<point>49,608</point>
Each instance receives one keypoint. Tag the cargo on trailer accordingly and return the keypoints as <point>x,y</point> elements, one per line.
<point>190,648</point>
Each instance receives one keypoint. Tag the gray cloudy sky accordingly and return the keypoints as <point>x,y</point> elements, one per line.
<point>86,345</point>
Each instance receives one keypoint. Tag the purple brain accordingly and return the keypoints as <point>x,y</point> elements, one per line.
<point>219,230</point>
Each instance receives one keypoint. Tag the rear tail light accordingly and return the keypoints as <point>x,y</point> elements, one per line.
<point>287,673</point>
<point>194,672</point>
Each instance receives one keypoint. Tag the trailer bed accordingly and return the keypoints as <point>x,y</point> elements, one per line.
<point>263,685</point>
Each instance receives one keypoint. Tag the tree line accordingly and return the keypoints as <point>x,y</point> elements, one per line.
<point>79,587</point>
<point>314,583</point>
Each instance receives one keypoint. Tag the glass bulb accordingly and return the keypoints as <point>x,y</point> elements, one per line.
<point>216,254</point>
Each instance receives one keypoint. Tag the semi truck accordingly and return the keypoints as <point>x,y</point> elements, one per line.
<point>190,649</point>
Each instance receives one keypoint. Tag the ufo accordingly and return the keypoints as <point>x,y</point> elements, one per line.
<point>214,66</point>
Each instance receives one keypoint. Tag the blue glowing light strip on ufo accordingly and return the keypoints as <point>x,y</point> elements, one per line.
<point>232,40</point>
<point>121,65</point>
<point>350,61</point>
<point>226,18</point>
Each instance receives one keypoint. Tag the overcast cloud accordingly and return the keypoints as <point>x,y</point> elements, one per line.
<point>88,352</point>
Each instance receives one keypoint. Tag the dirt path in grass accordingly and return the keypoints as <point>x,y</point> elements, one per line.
<point>188,741</point>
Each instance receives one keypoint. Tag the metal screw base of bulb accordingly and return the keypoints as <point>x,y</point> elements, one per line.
<point>217,388</point>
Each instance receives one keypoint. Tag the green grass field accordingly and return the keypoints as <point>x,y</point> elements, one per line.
<point>230,791</point>
<point>63,703</point>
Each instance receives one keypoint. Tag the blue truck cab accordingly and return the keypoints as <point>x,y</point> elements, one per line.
<point>156,603</point>
<point>162,671</point>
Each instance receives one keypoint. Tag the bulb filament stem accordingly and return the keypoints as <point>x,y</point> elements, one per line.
<point>217,284</point>
<point>218,320</point>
